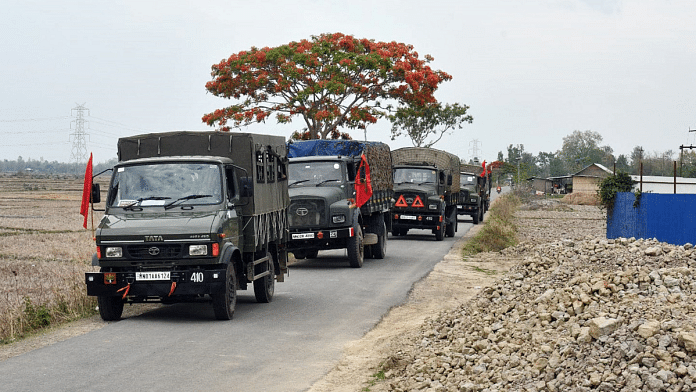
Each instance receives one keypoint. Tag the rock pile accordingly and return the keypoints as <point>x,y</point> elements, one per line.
<point>578,313</point>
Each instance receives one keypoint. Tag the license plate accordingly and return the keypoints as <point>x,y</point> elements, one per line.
<point>407,217</point>
<point>302,236</point>
<point>161,275</point>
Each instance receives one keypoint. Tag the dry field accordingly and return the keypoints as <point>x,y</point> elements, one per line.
<point>44,252</point>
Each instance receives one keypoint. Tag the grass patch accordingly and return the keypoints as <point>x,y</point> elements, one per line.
<point>379,376</point>
<point>499,230</point>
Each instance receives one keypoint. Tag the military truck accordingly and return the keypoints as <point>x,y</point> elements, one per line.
<point>426,189</point>
<point>329,206</point>
<point>192,217</point>
<point>475,188</point>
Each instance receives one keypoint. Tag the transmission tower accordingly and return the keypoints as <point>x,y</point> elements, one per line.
<point>474,151</point>
<point>78,137</point>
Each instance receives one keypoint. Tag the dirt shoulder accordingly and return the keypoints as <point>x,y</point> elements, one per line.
<point>452,282</point>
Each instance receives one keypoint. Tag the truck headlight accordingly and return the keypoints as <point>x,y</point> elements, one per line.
<point>432,206</point>
<point>198,250</point>
<point>115,251</point>
<point>473,200</point>
<point>338,218</point>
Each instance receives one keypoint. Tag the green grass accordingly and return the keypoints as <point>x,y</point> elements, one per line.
<point>499,230</point>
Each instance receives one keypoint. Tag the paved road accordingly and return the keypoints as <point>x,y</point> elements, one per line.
<point>285,345</point>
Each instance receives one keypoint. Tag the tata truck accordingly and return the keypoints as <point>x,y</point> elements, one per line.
<point>341,196</point>
<point>475,192</point>
<point>426,190</point>
<point>192,217</point>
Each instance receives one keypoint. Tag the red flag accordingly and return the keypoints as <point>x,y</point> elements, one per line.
<point>86,191</point>
<point>483,173</point>
<point>363,190</point>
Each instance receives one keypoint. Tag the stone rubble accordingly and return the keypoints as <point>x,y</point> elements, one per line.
<point>578,312</point>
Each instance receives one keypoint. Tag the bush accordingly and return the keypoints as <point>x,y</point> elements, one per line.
<point>610,186</point>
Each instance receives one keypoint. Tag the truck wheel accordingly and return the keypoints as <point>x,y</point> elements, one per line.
<point>110,308</point>
<point>299,255</point>
<point>482,214</point>
<point>265,287</point>
<point>379,250</point>
<point>396,232</point>
<point>312,254</point>
<point>403,231</point>
<point>476,217</point>
<point>225,301</point>
<point>356,249</point>
<point>450,228</point>
<point>440,234</point>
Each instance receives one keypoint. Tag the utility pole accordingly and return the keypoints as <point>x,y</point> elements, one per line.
<point>78,153</point>
<point>681,154</point>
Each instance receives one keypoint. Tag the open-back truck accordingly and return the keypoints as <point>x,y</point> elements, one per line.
<point>326,178</point>
<point>189,217</point>
<point>426,189</point>
<point>475,188</point>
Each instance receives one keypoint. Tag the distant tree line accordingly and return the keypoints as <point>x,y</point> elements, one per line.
<point>583,148</point>
<point>45,167</point>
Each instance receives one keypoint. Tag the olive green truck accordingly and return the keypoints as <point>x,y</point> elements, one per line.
<point>192,217</point>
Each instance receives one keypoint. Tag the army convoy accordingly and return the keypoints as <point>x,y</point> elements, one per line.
<point>475,192</point>
<point>195,216</point>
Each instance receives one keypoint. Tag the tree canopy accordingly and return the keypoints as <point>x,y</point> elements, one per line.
<point>425,125</point>
<point>329,81</point>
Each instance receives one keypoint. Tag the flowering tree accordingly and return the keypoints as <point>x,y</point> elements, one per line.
<point>425,125</point>
<point>330,81</point>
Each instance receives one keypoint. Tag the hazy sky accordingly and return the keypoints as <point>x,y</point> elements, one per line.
<point>531,71</point>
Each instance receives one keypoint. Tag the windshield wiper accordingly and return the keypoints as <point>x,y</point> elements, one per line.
<point>142,199</point>
<point>426,182</point>
<point>325,181</point>
<point>189,197</point>
<point>298,182</point>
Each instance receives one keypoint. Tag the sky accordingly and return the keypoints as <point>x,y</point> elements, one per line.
<point>532,72</point>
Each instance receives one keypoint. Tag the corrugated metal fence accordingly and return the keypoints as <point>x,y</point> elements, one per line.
<point>668,217</point>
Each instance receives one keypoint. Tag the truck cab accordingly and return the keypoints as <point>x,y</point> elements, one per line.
<point>470,201</point>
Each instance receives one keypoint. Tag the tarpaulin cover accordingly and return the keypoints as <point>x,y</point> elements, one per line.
<point>321,147</point>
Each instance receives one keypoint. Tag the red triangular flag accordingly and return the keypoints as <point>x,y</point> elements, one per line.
<point>363,191</point>
<point>86,191</point>
<point>483,173</point>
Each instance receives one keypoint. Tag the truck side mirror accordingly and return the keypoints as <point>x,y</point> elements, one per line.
<point>449,179</point>
<point>442,177</point>
<point>96,193</point>
<point>247,187</point>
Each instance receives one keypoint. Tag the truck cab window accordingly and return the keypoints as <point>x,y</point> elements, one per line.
<point>231,180</point>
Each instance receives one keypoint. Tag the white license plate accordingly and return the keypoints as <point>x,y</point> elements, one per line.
<point>407,217</point>
<point>302,236</point>
<point>155,275</point>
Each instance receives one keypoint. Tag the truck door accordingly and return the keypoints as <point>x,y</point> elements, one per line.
<point>232,225</point>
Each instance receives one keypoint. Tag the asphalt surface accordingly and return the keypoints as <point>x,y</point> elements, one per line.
<point>285,345</point>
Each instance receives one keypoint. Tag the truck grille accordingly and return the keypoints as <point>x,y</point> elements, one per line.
<point>464,194</point>
<point>307,213</point>
<point>155,251</point>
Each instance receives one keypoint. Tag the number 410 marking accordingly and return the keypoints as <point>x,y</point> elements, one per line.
<point>197,277</point>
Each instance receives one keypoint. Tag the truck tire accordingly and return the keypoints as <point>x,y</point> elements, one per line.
<point>225,301</point>
<point>379,250</point>
<point>312,254</point>
<point>110,308</point>
<point>265,287</point>
<point>451,228</point>
<point>356,249</point>
<point>440,234</point>
<point>476,217</point>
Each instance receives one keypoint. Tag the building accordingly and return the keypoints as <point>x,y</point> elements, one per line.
<point>588,179</point>
<point>659,184</point>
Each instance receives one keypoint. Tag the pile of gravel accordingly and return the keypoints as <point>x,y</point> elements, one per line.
<point>575,314</point>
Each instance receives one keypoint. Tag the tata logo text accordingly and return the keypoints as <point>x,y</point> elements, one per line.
<point>152,238</point>
<point>302,211</point>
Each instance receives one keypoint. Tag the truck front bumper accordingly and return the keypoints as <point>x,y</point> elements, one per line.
<point>156,284</point>
<point>467,209</point>
<point>416,221</point>
<point>319,239</point>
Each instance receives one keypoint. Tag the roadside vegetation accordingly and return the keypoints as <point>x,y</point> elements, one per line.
<point>44,253</point>
<point>499,230</point>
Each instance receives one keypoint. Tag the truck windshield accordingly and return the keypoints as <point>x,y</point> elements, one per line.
<point>161,183</point>
<point>314,173</point>
<point>414,175</point>
<point>467,179</point>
